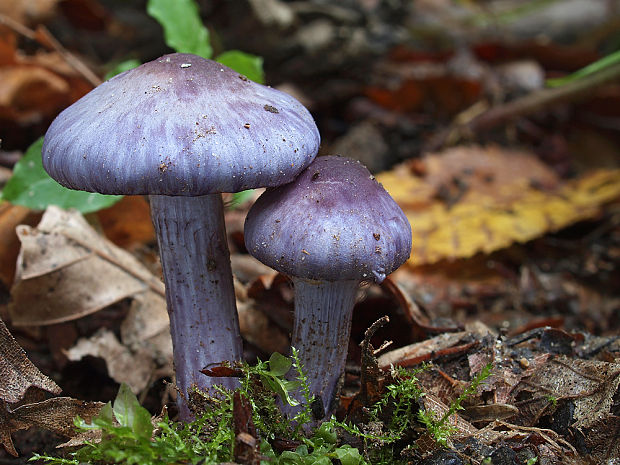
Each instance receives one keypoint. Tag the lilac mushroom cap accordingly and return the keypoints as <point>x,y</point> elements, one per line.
<point>335,222</point>
<point>330,229</point>
<point>180,125</point>
<point>182,129</point>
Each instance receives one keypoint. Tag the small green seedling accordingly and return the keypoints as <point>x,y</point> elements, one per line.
<point>128,436</point>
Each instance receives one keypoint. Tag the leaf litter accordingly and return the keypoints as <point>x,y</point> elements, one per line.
<point>20,382</point>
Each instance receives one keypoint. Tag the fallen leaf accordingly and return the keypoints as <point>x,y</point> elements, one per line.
<point>27,12</point>
<point>10,217</point>
<point>259,330</point>
<point>470,200</point>
<point>66,270</point>
<point>602,438</point>
<point>17,372</point>
<point>147,317</point>
<point>28,93</point>
<point>246,438</point>
<point>124,366</point>
<point>549,444</point>
<point>144,352</point>
<point>439,409</point>
<point>55,414</point>
<point>128,221</point>
<point>590,385</point>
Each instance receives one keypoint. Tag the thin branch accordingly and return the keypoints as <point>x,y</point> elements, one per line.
<point>523,106</point>
<point>45,38</point>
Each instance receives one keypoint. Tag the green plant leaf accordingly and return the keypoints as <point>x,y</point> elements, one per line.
<point>183,29</point>
<point>239,197</point>
<point>290,457</point>
<point>32,187</point>
<point>348,455</point>
<point>107,414</point>
<point>130,413</point>
<point>326,433</point>
<point>321,460</point>
<point>279,365</point>
<point>279,387</point>
<point>247,64</point>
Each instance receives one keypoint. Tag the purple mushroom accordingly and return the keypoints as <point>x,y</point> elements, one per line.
<point>183,129</point>
<point>330,229</point>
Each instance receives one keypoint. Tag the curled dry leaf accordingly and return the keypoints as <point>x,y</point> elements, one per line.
<point>54,414</point>
<point>124,366</point>
<point>469,200</point>
<point>439,409</point>
<point>65,270</point>
<point>17,372</point>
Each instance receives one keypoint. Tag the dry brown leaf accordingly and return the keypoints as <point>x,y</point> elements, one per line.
<point>10,217</point>
<point>589,384</point>
<point>602,439</point>
<point>66,270</point>
<point>470,200</point>
<point>54,414</point>
<point>128,221</point>
<point>17,372</point>
<point>549,443</point>
<point>124,366</point>
<point>27,93</point>
<point>147,317</point>
<point>145,349</point>
<point>257,329</point>
<point>27,12</point>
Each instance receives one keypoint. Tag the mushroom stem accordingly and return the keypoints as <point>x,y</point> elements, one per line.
<point>321,332</point>
<point>199,288</point>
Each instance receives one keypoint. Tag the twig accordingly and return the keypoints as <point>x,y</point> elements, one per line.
<point>523,106</point>
<point>44,37</point>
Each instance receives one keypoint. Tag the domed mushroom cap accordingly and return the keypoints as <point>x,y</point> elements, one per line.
<point>334,222</point>
<point>180,125</point>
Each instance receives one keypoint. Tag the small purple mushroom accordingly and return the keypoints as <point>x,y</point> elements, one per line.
<point>183,129</point>
<point>330,229</point>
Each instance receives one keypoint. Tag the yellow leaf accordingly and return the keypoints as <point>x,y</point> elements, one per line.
<point>470,200</point>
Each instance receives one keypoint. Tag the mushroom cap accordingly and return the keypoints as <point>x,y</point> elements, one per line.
<point>180,125</point>
<point>334,222</point>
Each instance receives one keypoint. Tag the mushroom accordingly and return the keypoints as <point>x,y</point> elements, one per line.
<point>330,229</point>
<point>183,129</point>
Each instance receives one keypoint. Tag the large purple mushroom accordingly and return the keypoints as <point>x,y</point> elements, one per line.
<point>183,129</point>
<point>332,228</point>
